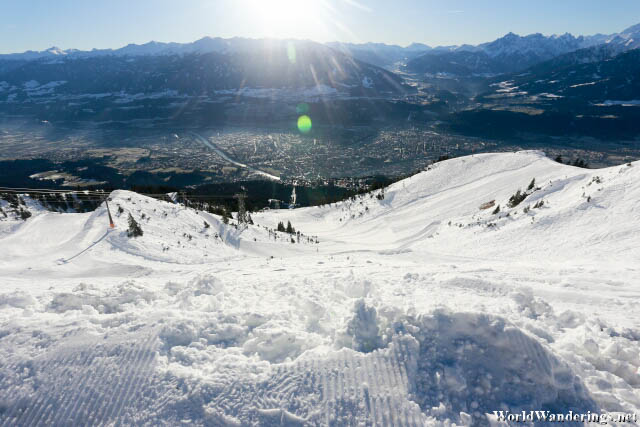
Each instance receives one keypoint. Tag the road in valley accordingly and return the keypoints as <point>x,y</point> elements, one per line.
<point>226,157</point>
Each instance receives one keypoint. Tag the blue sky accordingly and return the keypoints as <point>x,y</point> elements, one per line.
<point>39,24</point>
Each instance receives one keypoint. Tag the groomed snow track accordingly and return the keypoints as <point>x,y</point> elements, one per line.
<point>372,388</point>
<point>92,383</point>
<point>458,367</point>
<point>98,384</point>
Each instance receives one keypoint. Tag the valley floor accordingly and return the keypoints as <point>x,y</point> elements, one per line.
<point>413,308</point>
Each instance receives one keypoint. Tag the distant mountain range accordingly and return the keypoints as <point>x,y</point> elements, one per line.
<point>241,81</point>
<point>588,76</point>
<point>204,45</point>
<point>507,54</point>
<point>563,73</point>
<point>536,46</point>
<point>380,54</point>
<point>198,68</point>
<point>513,53</point>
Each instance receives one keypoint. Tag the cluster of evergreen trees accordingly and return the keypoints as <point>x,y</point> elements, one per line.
<point>17,204</point>
<point>580,163</point>
<point>288,229</point>
<point>519,195</point>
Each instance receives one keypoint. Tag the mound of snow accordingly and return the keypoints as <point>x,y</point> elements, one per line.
<point>478,364</point>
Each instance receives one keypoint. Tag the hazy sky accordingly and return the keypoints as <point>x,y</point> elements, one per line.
<point>85,24</point>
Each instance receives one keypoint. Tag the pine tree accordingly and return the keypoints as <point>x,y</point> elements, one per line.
<point>532,185</point>
<point>225,216</point>
<point>24,214</point>
<point>580,163</point>
<point>134,228</point>
<point>518,197</point>
<point>281,226</point>
<point>290,229</point>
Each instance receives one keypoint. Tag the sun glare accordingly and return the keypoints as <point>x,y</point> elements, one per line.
<point>287,18</point>
<point>278,12</point>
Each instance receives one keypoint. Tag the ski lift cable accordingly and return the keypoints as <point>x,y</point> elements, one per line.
<point>81,199</point>
<point>71,201</point>
<point>82,195</point>
<point>46,191</point>
<point>20,190</point>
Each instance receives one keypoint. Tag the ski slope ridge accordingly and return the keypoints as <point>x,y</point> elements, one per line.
<point>583,210</point>
<point>424,305</point>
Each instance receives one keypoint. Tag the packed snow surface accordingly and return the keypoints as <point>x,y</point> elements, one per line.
<point>423,304</point>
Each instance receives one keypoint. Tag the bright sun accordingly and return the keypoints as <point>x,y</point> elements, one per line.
<point>287,18</point>
<point>277,12</point>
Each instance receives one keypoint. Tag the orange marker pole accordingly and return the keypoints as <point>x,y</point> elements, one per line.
<point>111,224</point>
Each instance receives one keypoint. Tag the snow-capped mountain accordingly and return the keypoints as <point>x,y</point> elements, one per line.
<point>506,54</point>
<point>493,282</point>
<point>629,38</point>
<point>510,52</point>
<point>30,55</point>
<point>513,53</point>
<point>203,45</point>
<point>534,44</point>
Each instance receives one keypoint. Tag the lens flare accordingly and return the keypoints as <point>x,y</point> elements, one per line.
<point>304,124</point>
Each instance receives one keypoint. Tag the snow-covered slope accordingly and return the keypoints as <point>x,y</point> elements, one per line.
<point>439,210</point>
<point>414,308</point>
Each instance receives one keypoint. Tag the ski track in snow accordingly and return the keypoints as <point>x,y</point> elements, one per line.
<point>418,309</point>
<point>81,385</point>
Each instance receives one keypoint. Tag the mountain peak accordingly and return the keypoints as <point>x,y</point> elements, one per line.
<point>55,51</point>
<point>631,30</point>
<point>420,46</point>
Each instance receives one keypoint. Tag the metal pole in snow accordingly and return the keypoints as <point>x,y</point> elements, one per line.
<point>111,224</point>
